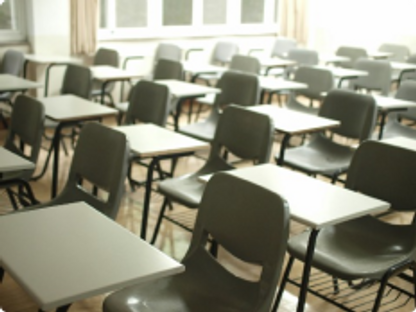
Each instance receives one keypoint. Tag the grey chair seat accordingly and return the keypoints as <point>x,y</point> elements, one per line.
<point>203,130</point>
<point>5,96</point>
<point>347,250</point>
<point>186,293</point>
<point>49,123</point>
<point>321,156</point>
<point>208,99</point>
<point>394,128</point>
<point>187,190</point>
<point>122,107</point>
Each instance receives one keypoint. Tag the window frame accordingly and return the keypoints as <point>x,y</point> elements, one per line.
<point>155,29</point>
<point>18,31</point>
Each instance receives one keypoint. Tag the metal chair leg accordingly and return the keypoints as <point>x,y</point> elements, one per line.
<point>283,284</point>
<point>159,220</point>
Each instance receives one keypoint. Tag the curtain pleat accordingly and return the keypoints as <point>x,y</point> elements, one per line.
<point>84,26</point>
<point>293,19</point>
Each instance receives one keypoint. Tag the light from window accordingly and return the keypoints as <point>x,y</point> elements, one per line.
<point>215,12</point>
<point>252,11</point>
<point>177,12</point>
<point>131,13</point>
<point>6,16</point>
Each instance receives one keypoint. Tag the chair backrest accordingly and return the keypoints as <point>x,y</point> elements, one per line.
<point>148,102</point>
<point>77,81</point>
<point>400,52</point>
<point>356,112</point>
<point>303,56</point>
<point>246,134</point>
<point>319,81</point>
<point>101,159</point>
<point>282,46</point>
<point>406,91</point>
<point>168,69</point>
<point>168,51</point>
<point>378,78</point>
<point>386,172</point>
<point>245,63</point>
<point>251,223</point>
<point>223,52</point>
<point>105,56</point>
<point>353,53</point>
<point>12,63</point>
<point>26,126</point>
<point>237,88</point>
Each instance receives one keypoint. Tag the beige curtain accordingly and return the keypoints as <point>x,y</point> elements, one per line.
<point>84,26</point>
<point>293,19</point>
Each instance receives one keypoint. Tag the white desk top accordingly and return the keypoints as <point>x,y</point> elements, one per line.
<point>312,202</point>
<point>379,54</point>
<point>274,84</point>
<point>391,103</point>
<point>11,162</point>
<point>294,122</point>
<point>13,83</point>
<point>70,107</point>
<point>402,66</point>
<point>332,59</point>
<point>401,142</point>
<point>276,62</point>
<point>197,68</point>
<point>344,73</point>
<point>182,89</point>
<point>67,253</point>
<point>48,59</point>
<point>110,73</point>
<point>148,140</point>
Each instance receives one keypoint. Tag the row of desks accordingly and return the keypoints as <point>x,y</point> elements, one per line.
<point>161,143</point>
<point>56,275</point>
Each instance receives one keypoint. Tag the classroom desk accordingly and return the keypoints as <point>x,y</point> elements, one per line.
<point>67,253</point>
<point>312,202</point>
<point>402,142</point>
<point>107,74</point>
<point>151,141</point>
<point>403,68</point>
<point>183,91</point>
<point>344,73</point>
<point>69,110</point>
<point>49,61</point>
<point>10,83</point>
<point>195,69</point>
<point>12,162</point>
<point>273,62</point>
<point>378,55</point>
<point>290,122</point>
<point>386,105</point>
<point>273,85</point>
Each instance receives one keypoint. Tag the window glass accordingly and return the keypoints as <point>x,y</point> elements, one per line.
<point>177,12</point>
<point>103,15</point>
<point>6,16</point>
<point>252,11</point>
<point>215,12</point>
<point>131,13</point>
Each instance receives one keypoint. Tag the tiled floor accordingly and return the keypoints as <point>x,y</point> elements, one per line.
<point>172,240</point>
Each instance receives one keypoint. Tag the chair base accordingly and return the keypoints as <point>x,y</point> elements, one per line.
<point>357,296</point>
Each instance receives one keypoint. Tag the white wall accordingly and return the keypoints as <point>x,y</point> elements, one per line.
<point>364,23</point>
<point>48,34</point>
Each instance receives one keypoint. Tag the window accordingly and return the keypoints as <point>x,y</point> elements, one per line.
<point>12,21</point>
<point>181,18</point>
